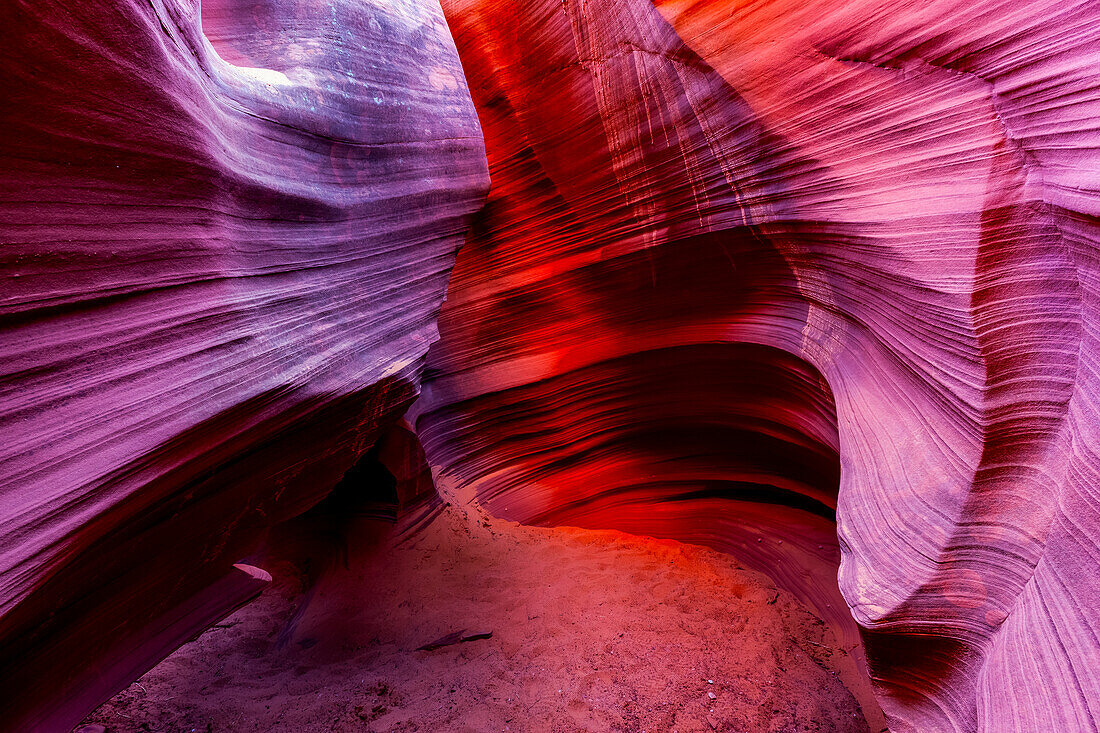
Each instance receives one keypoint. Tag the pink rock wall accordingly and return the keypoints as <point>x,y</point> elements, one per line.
<point>746,267</point>
<point>890,207</point>
<point>220,278</point>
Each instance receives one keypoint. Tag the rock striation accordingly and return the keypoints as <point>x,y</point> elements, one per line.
<point>223,258</point>
<point>745,263</point>
<point>814,283</point>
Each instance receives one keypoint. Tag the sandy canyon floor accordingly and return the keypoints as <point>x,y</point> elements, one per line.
<point>590,631</point>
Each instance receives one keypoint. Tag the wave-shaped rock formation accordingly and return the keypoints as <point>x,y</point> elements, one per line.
<point>815,283</point>
<point>740,255</point>
<point>221,272</point>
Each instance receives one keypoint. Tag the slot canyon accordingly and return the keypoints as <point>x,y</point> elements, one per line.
<point>558,365</point>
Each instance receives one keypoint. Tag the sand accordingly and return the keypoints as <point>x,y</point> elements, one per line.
<point>590,631</point>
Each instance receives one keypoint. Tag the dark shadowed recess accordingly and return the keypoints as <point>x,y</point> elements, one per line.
<point>699,427</point>
<point>206,501</point>
<point>388,493</point>
<point>386,496</point>
<point>733,446</point>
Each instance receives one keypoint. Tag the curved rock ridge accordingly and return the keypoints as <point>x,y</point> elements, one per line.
<point>220,278</point>
<point>890,207</point>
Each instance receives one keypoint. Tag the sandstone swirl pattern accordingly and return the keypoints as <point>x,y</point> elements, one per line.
<point>734,250</point>
<point>220,278</point>
<point>747,269</point>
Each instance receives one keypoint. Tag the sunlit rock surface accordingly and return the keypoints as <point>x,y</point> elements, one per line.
<point>220,278</point>
<point>739,254</point>
<point>747,269</point>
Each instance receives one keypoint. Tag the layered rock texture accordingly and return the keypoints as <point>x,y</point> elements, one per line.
<point>741,256</point>
<point>814,283</point>
<point>221,271</point>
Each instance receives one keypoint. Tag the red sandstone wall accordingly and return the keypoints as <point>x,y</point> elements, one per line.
<point>735,254</point>
<point>712,221</point>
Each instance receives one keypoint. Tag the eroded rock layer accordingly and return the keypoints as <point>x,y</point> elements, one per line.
<point>710,222</point>
<point>220,277</point>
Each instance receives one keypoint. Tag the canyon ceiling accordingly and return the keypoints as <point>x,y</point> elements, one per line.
<point>814,283</point>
